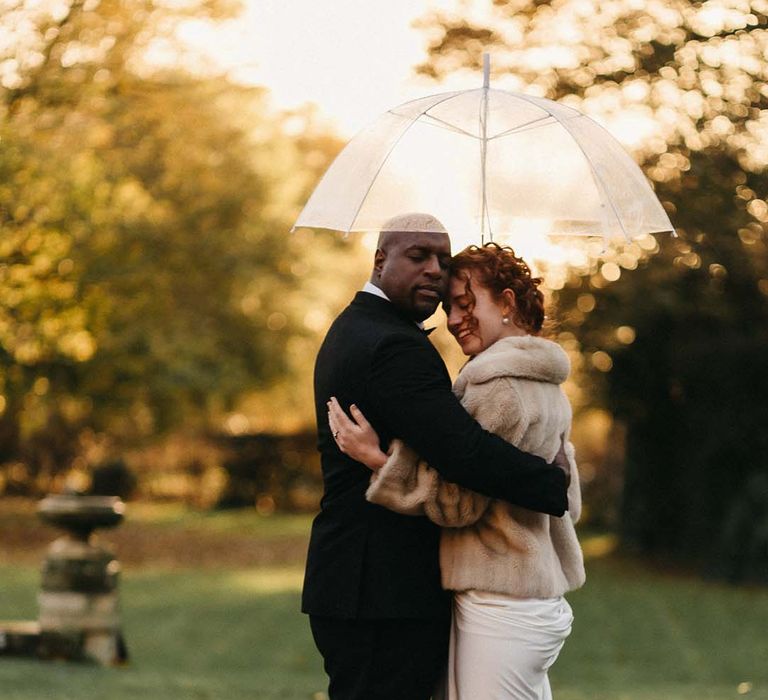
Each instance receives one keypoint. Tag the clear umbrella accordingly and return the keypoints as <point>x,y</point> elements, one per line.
<point>488,164</point>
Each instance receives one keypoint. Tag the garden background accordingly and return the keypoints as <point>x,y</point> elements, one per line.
<point>158,324</point>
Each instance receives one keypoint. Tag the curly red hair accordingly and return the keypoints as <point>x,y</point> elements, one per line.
<point>498,268</point>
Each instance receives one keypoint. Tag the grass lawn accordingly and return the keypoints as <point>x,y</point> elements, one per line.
<point>227,631</point>
<point>195,635</point>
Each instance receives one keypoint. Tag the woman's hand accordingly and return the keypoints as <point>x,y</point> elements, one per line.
<point>355,436</point>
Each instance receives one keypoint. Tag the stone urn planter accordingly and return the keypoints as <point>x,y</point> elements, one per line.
<point>79,606</point>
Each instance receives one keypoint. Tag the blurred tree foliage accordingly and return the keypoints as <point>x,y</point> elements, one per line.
<point>147,277</point>
<point>677,347</point>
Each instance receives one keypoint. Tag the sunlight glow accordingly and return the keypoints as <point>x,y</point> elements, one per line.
<point>354,60</point>
<point>632,128</point>
<point>265,581</point>
<point>598,546</point>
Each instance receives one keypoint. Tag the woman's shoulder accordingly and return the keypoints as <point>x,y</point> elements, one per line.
<point>522,357</point>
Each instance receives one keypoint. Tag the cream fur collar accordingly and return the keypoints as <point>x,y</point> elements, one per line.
<point>525,356</point>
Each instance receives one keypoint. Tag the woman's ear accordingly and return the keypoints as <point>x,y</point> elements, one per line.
<point>508,301</point>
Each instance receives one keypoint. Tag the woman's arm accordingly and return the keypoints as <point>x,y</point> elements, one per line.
<point>451,505</point>
<point>404,484</point>
<point>400,481</point>
<point>355,436</point>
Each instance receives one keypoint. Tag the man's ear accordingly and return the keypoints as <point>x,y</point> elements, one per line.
<point>378,261</point>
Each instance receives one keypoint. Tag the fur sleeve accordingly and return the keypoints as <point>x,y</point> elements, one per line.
<point>451,505</point>
<point>574,488</point>
<point>404,483</point>
<point>407,485</point>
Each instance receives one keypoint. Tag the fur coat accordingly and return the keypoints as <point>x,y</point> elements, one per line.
<point>512,389</point>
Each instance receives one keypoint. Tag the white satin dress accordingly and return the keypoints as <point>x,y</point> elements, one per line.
<point>502,647</point>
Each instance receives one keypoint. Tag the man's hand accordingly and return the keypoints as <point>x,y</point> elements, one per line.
<point>561,460</point>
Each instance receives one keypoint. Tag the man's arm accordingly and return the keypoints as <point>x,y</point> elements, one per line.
<point>414,401</point>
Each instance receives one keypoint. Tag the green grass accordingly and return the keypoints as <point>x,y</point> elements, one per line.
<point>230,632</point>
<point>640,635</point>
<point>191,635</point>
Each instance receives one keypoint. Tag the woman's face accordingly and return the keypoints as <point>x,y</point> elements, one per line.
<point>481,327</point>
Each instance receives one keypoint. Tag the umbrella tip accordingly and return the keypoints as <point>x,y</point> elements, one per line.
<point>486,70</point>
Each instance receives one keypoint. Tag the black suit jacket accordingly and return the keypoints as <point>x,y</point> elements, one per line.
<point>365,561</point>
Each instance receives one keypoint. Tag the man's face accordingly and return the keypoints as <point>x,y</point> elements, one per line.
<point>412,270</point>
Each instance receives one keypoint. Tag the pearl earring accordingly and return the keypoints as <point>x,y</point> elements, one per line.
<point>505,320</point>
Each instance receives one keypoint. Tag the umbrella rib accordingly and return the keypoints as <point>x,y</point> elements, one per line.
<point>523,127</point>
<point>626,235</point>
<point>595,175</point>
<point>389,153</point>
<point>443,95</point>
<point>447,125</point>
<point>599,182</point>
<point>441,123</point>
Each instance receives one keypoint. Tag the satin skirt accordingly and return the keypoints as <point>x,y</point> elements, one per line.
<point>502,648</point>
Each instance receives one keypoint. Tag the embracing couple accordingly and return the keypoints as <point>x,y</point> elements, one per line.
<point>445,541</point>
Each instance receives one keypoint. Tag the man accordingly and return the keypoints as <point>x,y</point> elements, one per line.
<point>372,588</point>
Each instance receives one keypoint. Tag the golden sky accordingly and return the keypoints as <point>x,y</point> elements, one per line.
<point>353,58</point>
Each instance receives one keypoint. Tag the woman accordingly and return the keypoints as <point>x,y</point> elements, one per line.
<point>509,567</point>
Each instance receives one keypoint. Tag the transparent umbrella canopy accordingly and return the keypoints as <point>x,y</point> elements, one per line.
<point>489,164</point>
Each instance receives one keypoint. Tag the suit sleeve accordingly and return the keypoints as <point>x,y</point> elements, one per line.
<point>413,399</point>
<point>499,410</point>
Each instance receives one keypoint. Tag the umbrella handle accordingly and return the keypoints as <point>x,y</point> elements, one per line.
<point>486,70</point>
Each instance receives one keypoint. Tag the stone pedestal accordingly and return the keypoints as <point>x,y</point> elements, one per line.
<point>79,607</point>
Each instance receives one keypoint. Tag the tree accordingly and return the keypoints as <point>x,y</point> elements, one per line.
<point>673,346</point>
<point>147,277</point>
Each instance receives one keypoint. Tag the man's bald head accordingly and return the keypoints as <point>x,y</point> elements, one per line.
<point>411,263</point>
<point>414,222</point>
